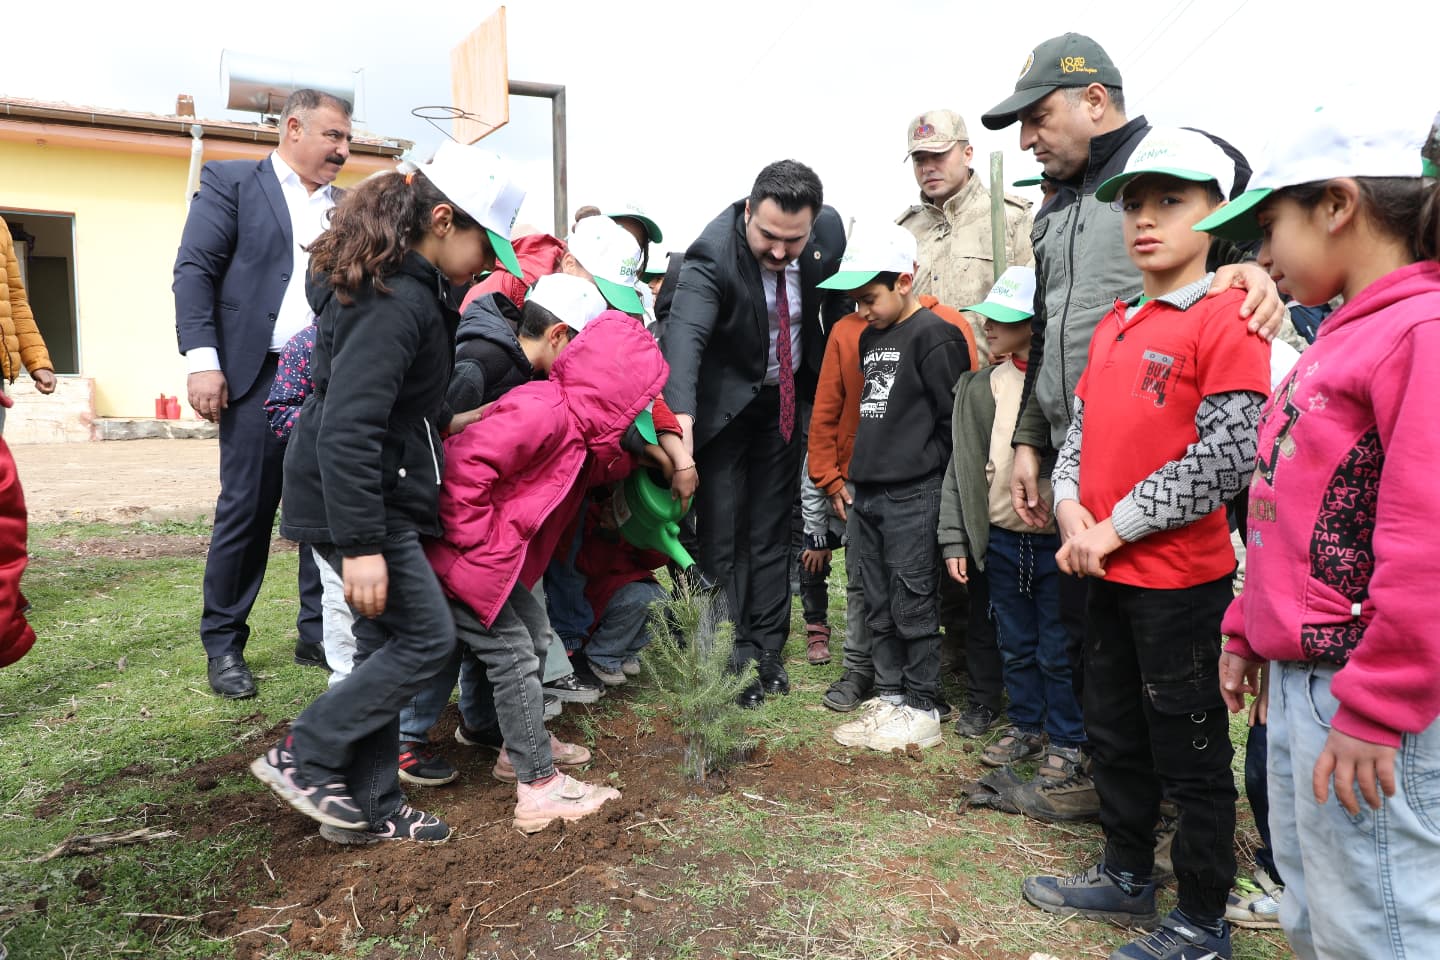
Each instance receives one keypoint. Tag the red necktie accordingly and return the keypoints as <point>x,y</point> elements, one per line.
<point>782,358</point>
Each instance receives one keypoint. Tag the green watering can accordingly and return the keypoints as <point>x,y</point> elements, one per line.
<point>648,517</point>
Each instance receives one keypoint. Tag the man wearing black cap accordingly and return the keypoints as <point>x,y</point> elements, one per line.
<point>1071,108</point>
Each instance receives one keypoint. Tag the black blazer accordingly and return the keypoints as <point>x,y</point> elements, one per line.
<point>235,260</point>
<point>717,335</point>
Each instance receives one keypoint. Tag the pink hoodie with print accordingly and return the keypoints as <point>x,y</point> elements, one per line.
<point>1341,554</point>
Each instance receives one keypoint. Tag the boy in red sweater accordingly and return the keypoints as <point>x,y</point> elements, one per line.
<point>1162,436</point>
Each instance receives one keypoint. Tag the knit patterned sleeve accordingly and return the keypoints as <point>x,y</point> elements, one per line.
<point>1065,480</point>
<point>1213,470</point>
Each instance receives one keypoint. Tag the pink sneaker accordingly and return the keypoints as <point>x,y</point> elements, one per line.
<point>563,798</point>
<point>562,753</point>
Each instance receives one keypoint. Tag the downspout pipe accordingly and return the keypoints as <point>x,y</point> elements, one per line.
<point>197,159</point>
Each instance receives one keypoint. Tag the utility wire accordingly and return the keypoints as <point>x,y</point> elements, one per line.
<point>1196,49</point>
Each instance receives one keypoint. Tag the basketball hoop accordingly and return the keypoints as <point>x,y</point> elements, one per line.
<point>434,113</point>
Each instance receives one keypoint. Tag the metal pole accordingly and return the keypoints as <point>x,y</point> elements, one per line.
<point>997,211</point>
<point>555,93</point>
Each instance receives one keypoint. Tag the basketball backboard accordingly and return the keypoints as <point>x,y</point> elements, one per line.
<point>479,81</point>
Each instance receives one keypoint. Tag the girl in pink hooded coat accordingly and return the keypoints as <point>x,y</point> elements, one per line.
<point>512,490</point>
<point>1340,553</point>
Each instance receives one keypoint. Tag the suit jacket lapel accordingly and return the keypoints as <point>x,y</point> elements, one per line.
<point>265,172</point>
<point>750,277</point>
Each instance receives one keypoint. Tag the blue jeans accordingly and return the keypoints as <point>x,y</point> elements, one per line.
<point>624,627</point>
<point>1373,879</point>
<point>900,567</point>
<point>352,730</point>
<point>477,703</point>
<point>1257,793</point>
<point>1025,595</point>
<point>565,603</point>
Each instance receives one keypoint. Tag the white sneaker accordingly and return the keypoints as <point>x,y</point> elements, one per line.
<point>903,726</point>
<point>853,733</point>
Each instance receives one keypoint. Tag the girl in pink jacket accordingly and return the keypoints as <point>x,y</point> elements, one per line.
<point>513,488</point>
<point>1341,552</point>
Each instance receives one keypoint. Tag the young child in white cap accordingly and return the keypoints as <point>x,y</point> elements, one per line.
<point>981,535</point>
<point>911,359</point>
<point>1340,552</point>
<point>363,470</point>
<point>1162,437</point>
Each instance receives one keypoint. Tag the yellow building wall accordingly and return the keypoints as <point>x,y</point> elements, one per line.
<point>129,210</point>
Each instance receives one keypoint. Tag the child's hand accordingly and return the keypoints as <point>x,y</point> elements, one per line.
<point>1353,762</point>
<point>814,560</point>
<point>839,502</point>
<point>1260,706</point>
<point>1238,677</point>
<point>1262,305</point>
<point>1025,487</point>
<point>1072,519</point>
<point>957,568</point>
<point>462,420</point>
<point>683,484</point>
<point>367,581</point>
<point>1084,554</point>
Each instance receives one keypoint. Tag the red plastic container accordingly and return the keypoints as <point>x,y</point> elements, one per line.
<point>172,408</point>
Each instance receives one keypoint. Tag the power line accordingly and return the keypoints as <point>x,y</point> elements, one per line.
<point>1196,49</point>
<point>1166,21</point>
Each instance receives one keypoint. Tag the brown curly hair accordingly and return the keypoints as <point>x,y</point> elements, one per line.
<point>372,228</point>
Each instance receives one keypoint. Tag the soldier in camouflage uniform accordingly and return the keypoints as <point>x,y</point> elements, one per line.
<point>951,223</point>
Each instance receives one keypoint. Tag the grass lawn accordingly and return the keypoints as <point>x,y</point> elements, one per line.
<point>808,850</point>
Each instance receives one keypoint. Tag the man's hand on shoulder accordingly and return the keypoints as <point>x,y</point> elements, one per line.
<point>209,394</point>
<point>1262,305</point>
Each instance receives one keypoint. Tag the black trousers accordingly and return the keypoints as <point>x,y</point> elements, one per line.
<point>749,477</point>
<point>965,616</point>
<point>252,462</point>
<point>1157,723</point>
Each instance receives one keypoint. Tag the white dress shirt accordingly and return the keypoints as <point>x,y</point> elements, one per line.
<point>768,281</point>
<point>309,215</point>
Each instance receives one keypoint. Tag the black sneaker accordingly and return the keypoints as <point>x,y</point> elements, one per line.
<point>976,721</point>
<point>419,765</point>
<point>572,688</point>
<point>407,823</point>
<point>848,692</point>
<point>1178,939</point>
<point>1093,895</point>
<point>470,737</point>
<point>328,802</point>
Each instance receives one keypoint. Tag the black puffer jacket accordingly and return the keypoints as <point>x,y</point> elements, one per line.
<point>488,357</point>
<point>365,459</point>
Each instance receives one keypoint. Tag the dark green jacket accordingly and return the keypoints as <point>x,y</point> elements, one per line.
<point>964,495</point>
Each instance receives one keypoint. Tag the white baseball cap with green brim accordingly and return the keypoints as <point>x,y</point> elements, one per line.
<point>479,182</point>
<point>1012,299</point>
<point>1173,152</point>
<point>1348,139</point>
<point>612,257</point>
<point>573,301</point>
<point>874,247</point>
<point>633,211</point>
<point>658,266</point>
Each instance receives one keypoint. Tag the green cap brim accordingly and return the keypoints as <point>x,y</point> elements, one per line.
<point>1111,188</point>
<point>645,423</point>
<point>1428,168</point>
<point>848,280</point>
<point>652,229</point>
<point>1034,181</point>
<point>619,296</point>
<point>1236,220</point>
<point>505,253</point>
<point>999,313</point>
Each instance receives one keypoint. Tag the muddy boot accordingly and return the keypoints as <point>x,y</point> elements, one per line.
<point>1061,791</point>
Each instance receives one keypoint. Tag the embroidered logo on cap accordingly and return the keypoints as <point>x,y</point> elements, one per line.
<point>924,130</point>
<point>1029,62</point>
<point>1075,65</point>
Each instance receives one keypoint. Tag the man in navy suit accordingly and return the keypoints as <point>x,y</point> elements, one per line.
<point>239,296</point>
<point>745,335</point>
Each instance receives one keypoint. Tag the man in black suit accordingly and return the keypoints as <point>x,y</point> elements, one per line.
<point>235,307</point>
<point>743,365</point>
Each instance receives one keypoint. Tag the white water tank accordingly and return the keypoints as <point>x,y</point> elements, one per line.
<point>260,84</point>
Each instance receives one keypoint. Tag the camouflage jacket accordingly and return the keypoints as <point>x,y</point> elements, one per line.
<point>957,263</point>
